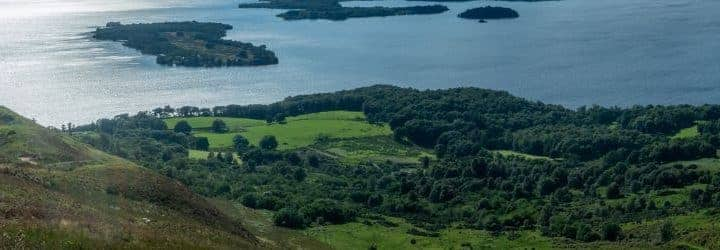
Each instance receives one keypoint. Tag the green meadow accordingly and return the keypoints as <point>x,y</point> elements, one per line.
<point>363,235</point>
<point>508,153</point>
<point>373,148</point>
<point>297,132</point>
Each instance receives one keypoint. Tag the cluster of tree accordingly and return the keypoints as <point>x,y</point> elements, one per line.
<point>607,154</point>
<point>333,10</point>
<point>489,12</point>
<point>338,14</point>
<point>162,39</point>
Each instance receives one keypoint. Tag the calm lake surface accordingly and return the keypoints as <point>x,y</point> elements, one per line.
<point>571,52</point>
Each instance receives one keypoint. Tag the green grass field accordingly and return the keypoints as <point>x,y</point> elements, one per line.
<point>375,149</point>
<point>687,133</point>
<point>360,236</point>
<point>204,123</point>
<point>690,132</point>
<point>705,164</point>
<point>523,155</point>
<point>299,131</point>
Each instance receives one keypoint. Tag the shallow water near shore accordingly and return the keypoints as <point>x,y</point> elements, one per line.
<point>570,52</point>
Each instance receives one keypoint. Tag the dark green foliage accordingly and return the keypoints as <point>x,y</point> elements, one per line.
<point>202,143</point>
<point>289,217</point>
<point>333,10</point>
<point>299,174</point>
<point>343,13</point>
<point>489,12</point>
<point>468,184</point>
<point>294,159</point>
<point>250,200</point>
<point>175,43</point>
<point>613,191</point>
<point>314,160</point>
<point>328,210</point>
<point>218,126</point>
<point>240,143</point>
<point>666,231</point>
<point>585,233</point>
<point>268,142</point>
<point>611,232</point>
<point>183,127</point>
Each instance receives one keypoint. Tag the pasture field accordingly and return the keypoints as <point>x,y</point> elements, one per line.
<point>366,233</point>
<point>373,149</point>
<point>687,133</point>
<point>298,131</point>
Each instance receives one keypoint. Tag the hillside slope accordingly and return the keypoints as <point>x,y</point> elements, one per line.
<point>58,193</point>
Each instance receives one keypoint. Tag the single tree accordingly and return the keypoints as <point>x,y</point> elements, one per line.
<point>218,126</point>
<point>613,191</point>
<point>289,217</point>
<point>666,231</point>
<point>268,142</point>
<point>183,127</point>
<point>299,174</point>
<point>240,143</point>
<point>202,143</point>
<point>611,232</point>
<point>314,160</point>
<point>294,159</point>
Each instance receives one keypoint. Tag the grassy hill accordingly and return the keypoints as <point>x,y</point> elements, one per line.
<point>58,193</point>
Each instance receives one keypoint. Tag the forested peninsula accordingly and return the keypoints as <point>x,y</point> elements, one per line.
<point>424,165</point>
<point>191,44</point>
<point>332,10</point>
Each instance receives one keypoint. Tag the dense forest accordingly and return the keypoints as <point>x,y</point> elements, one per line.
<point>191,44</point>
<point>489,12</point>
<point>600,166</point>
<point>354,12</point>
<point>333,10</point>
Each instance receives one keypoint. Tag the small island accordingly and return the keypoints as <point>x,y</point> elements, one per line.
<point>440,0</point>
<point>190,44</point>
<point>489,12</point>
<point>332,10</point>
<point>354,12</point>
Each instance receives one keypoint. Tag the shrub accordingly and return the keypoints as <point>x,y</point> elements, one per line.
<point>611,232</point>
<point>240,143</point>
<point>268,142</point>
<point>183,127</point>
<point>202,143</point>
<point>666,231</point>
<point>613,191</point>
<point>329,210</point>
<point>249,200</point>
<point>290,217</point>
<point>218,126</point>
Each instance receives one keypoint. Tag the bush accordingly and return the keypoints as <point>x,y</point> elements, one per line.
<point>299,174</point>
<point>249,200</point>
<point>268,142</point>
<point>329,210</point>
<point>666,231</point>
<point>294,159</point>
<point>202,143</point>
<point>314,161</point>
<point>183,127</point>
<point>611,232</point>
<point>613,191</point>
<point>240,143</point>
<point>218,126</point>
<point>291,218</point>
<point>585,233</point>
